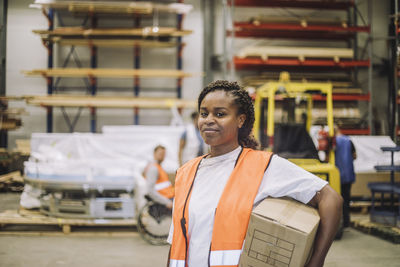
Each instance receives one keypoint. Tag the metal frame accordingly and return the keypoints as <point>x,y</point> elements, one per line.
<point>292,89</point>
<point>3,36</point>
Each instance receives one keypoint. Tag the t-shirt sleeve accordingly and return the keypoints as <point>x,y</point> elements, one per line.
<point>284,178</point>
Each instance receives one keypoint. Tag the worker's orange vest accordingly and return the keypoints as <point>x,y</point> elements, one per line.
<point>232,214</point>
<point>163,185</point>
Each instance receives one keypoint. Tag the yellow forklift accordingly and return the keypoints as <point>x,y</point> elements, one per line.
<point>290,137</point>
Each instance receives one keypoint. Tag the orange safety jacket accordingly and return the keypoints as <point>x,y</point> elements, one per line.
<point>232,214</point>
<point>163,186</point>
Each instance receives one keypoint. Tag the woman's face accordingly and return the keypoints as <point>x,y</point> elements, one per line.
<point>218,121</point>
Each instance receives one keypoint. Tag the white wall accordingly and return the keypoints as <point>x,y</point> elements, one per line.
<point>26,52</point>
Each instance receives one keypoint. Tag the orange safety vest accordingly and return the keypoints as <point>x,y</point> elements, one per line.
<point>232,214</point>
<point>163,186</point>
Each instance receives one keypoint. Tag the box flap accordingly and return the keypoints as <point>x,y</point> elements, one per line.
<point>289,212</point>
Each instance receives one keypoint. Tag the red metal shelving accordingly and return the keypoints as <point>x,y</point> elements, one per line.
<point>344,97</point>
<point>298,27</point>
<point>338,5</point>
<point>296,31</point>
<point>241,63</point>
<point>355,131</point>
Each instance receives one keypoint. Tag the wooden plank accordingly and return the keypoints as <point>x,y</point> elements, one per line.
<point>14,111</point>
<point>142,32</point>
<point>27,217</point>
<point>113,7</point>
<point>23,146</point>
<point>110,42</point>
<point>303,21</point>
<point>10,124</point>
<point>12,176</point>
<point>11,98</point>
<point>109,73</point>
<point>108,102</point>
<point>297,52</point>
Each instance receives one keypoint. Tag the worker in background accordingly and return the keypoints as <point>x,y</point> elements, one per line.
<point>191,145</point>
<point>345,154</point>
<point>227,183</point>
<point>159,188</point>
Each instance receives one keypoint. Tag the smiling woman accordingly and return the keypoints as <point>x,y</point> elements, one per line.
<point>226,184</point>
<point>233,104</point>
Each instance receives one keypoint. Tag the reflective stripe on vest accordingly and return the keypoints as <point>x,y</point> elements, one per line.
<point>225,257</point>
<point>162,185</point>
<point>177,263</point>
<point>239,192</point>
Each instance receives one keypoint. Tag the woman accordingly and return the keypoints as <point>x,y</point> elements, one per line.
<point>224,185</point>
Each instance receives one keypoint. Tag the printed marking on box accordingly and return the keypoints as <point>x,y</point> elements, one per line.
<point>270,249</point>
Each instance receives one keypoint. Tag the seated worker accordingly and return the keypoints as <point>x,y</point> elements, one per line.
<point>159,187</point>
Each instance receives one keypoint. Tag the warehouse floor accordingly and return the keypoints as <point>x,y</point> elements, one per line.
<point>98,249</point>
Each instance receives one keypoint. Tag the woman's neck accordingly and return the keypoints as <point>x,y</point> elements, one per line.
<point>216,151</point>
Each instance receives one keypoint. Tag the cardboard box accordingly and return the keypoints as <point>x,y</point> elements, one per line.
<point>281,232</point>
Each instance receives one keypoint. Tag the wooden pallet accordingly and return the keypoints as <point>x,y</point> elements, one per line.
<point>29,218</point>
<point>385,232</point>
<point>364,206</point>
<point>108,102</point>
<point>108,73</point>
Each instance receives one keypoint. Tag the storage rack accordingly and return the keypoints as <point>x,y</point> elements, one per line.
<point>394,97</point>
<point>300,30</point>
<point>95,37</point>
<point>386,214</point>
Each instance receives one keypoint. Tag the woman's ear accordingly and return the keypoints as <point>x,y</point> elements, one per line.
<point>241,120</point>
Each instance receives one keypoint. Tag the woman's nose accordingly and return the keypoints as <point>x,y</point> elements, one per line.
<point>209,119</point>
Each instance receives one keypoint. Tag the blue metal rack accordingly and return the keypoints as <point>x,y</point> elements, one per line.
<point>91,82</point>
<point>386,214</point>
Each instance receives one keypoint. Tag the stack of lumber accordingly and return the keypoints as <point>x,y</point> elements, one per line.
<point>113,32</point>
<point>302,53</point>
<point>23,146</point>
<point>303,21</point>
<point>65,41</point>
<point>12,181</point>
<point>113,7</point>
<point>10,117</point>
<point>109,73</point>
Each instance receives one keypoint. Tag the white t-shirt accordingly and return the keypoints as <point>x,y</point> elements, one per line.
<point>282,178</point>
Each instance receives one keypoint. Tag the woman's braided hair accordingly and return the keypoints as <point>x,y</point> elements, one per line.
<point>244,105</point>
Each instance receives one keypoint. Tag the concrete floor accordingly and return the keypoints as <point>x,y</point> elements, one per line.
<point>355,249</point>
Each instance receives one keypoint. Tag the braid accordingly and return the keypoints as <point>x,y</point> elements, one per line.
<point>244,105</point>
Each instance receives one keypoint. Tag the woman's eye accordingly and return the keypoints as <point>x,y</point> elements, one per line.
<point>203,114</point>
<point>220,114</point>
